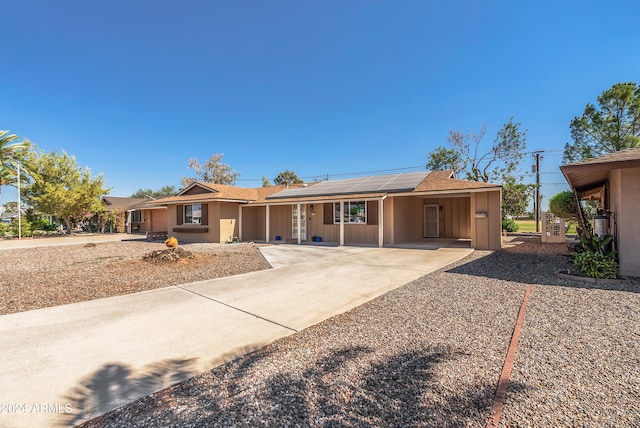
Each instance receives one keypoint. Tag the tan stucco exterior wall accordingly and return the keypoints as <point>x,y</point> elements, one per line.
<point>624,201</point>
<point>154,221</point>
<point>159,220</point>
<point>227,212</point>
<point>486,230</point>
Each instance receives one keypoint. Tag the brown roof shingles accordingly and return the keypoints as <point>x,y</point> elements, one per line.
<point>443,181</point>
<point>436,181</point>
<point>627,155</point>
<point>223,192</point>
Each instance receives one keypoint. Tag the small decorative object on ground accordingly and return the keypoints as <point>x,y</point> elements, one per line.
<point>170,255</point>
<point>171,242</point>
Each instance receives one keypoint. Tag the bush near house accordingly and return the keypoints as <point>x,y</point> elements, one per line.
<point>596,265</point>
<point>509,224</point>
<point>595,258</point>
<point>26,227</point>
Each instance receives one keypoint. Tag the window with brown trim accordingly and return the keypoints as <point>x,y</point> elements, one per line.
<point>137,217</point>
<point>193,214</point>
<point>355,212</point>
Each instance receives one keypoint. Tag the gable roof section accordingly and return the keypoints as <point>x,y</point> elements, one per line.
<point>594,172</point>
<point>390,183</point>
<point>441,181</point>
<point>218,192</point>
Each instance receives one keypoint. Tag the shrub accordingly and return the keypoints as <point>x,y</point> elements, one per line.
<point>595,244</point>
<point>509,224</point>
<point>42,224</point>
<point>596,265</point>
<point>24,227</point>
<point>4,228</point>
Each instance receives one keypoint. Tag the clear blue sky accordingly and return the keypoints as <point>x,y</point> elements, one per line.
<point>133,89</point>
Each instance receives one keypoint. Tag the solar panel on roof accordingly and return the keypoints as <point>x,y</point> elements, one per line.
<point>381,183</point>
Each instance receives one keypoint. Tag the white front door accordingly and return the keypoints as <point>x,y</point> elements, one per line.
<point>303,222</point>
<point>431,221</point>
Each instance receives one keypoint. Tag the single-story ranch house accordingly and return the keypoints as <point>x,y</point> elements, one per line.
<point>135,216</point>
<point>614,180</point>
<point>379,210</point>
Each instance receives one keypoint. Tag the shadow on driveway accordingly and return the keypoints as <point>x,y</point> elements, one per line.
<point>390,392</point>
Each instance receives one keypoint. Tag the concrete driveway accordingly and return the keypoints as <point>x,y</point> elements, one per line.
<point>67,364</point>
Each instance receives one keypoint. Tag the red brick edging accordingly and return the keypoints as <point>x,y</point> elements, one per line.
<point>505,376</point>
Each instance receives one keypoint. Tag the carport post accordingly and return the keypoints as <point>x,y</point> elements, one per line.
<point>381,222</point>
<point>267,221</point>
<point>341,223</point>
<point>298,223</point>
<point>240,223</point>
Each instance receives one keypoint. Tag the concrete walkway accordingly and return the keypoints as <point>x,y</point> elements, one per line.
<point>63,365</point>
<point>10,244</point>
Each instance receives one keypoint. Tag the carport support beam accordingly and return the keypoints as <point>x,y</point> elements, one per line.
<point>342,223</point>
<point>298,223</point>
<point>239,223</point>
<point>267,221</point>
<point>381,222</point>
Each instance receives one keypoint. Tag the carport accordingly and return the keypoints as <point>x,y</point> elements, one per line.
<point>387,210</point>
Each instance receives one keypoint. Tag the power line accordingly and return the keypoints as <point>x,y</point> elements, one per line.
<point>345,174</point>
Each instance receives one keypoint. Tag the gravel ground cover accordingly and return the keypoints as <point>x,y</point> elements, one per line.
<point>430,354</point>
<point>40,277</point>
<point>427,354</point>
<point>578,363</point>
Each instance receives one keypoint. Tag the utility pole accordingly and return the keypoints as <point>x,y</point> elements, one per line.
<point>536,202</point>
<point>19,218</point>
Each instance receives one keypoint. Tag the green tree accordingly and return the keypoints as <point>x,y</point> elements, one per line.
<point>212,171</point>
<point>10,207</point>
<point>149,193</point>
<point>515,197</point>
<point>498,163</point>
<point>61,188</point>
<point>610,126</point>
<point>287,177</point>
<point>442,158</point>
<point>13,151</point>
<point>266,182</point>
<point>565,205</point>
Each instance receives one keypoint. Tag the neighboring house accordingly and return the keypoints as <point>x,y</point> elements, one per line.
<point>136,216</point>
<point>378,210</point>
<point>614,180</point>
<point>8,217</point>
